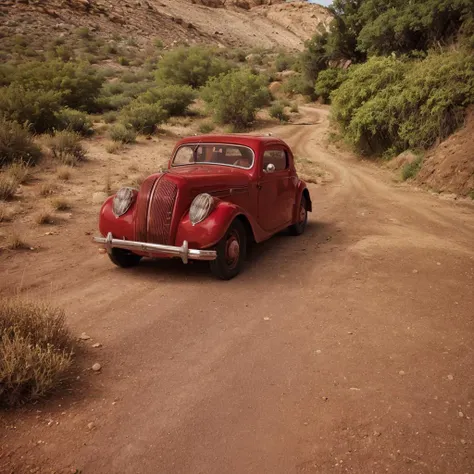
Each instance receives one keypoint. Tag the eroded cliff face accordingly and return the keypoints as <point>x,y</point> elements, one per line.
<point>233,23</point>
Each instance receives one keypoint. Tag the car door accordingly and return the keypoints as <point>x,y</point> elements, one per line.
<point>276,194</point>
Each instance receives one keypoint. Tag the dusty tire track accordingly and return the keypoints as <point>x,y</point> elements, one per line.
<point>369,312</point>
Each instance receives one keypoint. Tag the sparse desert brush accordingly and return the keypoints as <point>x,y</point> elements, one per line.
<point>15,242</point>
<point>277,111</point>
<point>44,217</point>
<point>19,171</point>
<point>294,109</point>
<point>36,350</point>
<point>8,186</point>
<point>113,147</point>
<point>16,144</point>
<point>120,133</point>
<point>110,117</point>
<point>206,127</point>
<point>66,147</point>
<point>64,172</point>
<point>60,204</point>
<point>47,189</point>
<point>74,121</point>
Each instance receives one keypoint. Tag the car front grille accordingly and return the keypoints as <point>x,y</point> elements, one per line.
<point>160,211</point>
<point>142,209</point>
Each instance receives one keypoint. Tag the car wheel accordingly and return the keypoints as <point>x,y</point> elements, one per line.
<point>299,227</point>
<point>231,251</point>
<point>123,258</point>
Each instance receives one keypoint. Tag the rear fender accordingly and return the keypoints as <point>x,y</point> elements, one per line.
<point>207,233</point>
<point>302,191</point>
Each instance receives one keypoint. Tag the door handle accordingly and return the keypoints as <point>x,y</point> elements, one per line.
<point>259,186</point>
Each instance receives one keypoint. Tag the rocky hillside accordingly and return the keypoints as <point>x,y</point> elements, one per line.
<point>235,23</point>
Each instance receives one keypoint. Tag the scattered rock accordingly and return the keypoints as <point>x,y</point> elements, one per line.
<point>84,337</point>
<point>324,398</point>
<point>96,367</point>
<point>450,377</point>
<point>415,271</point>
<point>266,318</point>
<point>377,433</point>
<point>401,372</point>
<point>90,425</point>
<point>463,441</point>
<point>96,345</point>
<point>461,414</point>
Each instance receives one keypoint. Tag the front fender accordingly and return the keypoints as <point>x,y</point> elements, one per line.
<point>212,229</point>
<point>122,227</point>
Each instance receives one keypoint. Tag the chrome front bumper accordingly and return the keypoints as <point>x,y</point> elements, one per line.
<point>184,252</point>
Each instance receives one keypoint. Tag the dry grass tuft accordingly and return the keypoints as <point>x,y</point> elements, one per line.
<point>20,172</point>
<point>64,172</point>
<point>8,186</point>
<point>114,147</point>
<point>47,189</point>
<point>35,350</point>
<point>44,217</point>
<point>61,204</point>
<point>15,242</point>
<point>66,147</point>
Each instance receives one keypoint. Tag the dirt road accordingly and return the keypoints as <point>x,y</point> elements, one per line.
<point>349,349</point>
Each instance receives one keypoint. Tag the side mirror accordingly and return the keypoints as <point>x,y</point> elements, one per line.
<point>270,168</point>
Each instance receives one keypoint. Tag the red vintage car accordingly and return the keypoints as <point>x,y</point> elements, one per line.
<point>218,193</point>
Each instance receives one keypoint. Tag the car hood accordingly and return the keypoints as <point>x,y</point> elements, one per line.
<point>208,178</point>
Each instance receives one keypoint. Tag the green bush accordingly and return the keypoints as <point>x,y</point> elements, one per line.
<point>175,100</point>
<point>277,111</point>
<point>284,61</point>
<point>35,350</point>
<point>110,117</point>
<point>235,97</point>
<point>143,118</point>
<point>410,170</point>
<point>66,147</point>
<point>78,85</point>
<point>75,121</point>
<point>190,66</point>
<point>328,81</point>
<point>37,108</point>
<point>121,133</point>
<point>16,145</point>
<point>298,84</point>
<point>206,127</point>
<point>392,104</point>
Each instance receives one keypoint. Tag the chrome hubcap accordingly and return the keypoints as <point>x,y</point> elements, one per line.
<point>302,214</point>
<point>232,250</point>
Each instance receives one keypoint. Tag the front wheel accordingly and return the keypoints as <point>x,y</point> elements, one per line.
<point>299,227</point>
<point>231,251</point>
<point>123,258</point>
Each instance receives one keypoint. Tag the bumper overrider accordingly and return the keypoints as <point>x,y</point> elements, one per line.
<point>184,252</point>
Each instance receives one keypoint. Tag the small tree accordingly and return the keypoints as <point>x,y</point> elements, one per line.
<point>144,118</point>
<point>190,66</point>
<point>174,99</point>
<point>235,97</point>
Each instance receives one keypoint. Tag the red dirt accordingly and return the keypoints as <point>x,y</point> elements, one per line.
<point>348,349</point>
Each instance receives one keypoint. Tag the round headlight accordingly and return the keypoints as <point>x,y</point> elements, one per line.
<point>122,201</point>
<point>201,207</point>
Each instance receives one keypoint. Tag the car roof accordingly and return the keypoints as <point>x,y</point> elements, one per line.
<point>234,139</point>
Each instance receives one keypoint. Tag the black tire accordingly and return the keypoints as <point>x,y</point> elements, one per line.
<point>231,252</point>
<point>123,258</point>
<point>299,227</point>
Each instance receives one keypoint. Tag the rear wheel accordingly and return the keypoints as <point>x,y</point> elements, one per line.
<point>231,251</point>
<point>299,227</point>
<point>123,258</point>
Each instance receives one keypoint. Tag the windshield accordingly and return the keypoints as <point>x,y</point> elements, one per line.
<point>214,154</point>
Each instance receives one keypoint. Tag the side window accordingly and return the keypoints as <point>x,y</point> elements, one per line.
<point>277,158</point>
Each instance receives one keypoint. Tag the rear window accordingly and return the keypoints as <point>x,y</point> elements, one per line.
<point>214,154</point>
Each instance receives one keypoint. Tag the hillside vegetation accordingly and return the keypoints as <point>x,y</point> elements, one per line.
<point>400,75</point>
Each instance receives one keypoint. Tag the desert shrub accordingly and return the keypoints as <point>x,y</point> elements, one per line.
<point>47,189</point>
<point>143,118</point>
<point>191,66</point>
<point>277,111</point>
<point>410,170</point>
<point>294,109</point>
<point>60,204</point>
<point>64,172</point>
<point>66,147</point>
<point>44,217</point>
<point>113,147</point>
<point>78,84</point>
<point>37,108</point>
<point>174,99</point>
<point>298,84</point>
<point>123,134</point>
<point>123,61</point>
<point>284,61</point>
<point>35,350</point>
<point>328,81</point>
<point>75,121</point>
<point>206,127</point>
<point>8,186</point>
<point>16,145</point>
<point>235,97</point>
<point>392,104</point>
<point>19,171</point>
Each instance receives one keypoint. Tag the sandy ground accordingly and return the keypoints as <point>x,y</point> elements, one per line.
<point>348,349</point>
